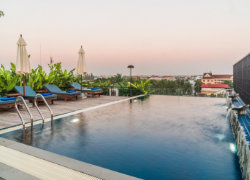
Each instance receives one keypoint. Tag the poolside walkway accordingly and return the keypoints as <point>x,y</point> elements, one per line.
<point>10,117</point>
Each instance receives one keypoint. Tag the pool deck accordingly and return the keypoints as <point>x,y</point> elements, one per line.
<point>10,117</point>
<point>40,164</point>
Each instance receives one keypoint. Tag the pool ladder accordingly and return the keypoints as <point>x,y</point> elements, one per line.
<point>45,102</point>
<point>27,108</point>
<point>29,112</point>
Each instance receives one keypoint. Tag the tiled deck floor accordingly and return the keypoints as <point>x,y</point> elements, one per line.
<point>10,117</point>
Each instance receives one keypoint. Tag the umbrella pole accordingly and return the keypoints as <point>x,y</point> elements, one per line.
<point>81,82</point>
<point>23,86</point>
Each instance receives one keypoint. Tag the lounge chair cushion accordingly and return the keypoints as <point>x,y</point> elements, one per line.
<point>46,94</point>
<point>70,91</point>
<point>56,90</point>
<point>7,99</point>
<point>76,85</point>
<point>95,89</point>
<point>30,93</point>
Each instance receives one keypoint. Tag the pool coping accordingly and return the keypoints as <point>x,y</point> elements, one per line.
<point>64,161</point>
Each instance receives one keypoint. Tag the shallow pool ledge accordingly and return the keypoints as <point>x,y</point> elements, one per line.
<point>241,129</point>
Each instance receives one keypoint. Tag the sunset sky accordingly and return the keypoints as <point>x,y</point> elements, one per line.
<point>156,36</point>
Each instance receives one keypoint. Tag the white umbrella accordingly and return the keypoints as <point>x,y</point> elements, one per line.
<point>81,65</point>
<point>22,60</point>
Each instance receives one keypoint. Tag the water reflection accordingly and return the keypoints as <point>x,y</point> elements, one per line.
<point>75,120</point>
<point>220,136</point>
<point>232,147</point>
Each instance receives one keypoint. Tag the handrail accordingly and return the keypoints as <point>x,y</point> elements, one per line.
<point>27,108</point>
<point>45,102</point>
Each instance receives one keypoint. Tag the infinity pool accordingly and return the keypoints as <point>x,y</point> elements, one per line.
<point>160,137</point>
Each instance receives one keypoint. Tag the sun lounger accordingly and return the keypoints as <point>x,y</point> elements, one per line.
<point>8,102</point>
<point>92,91</point>
<point>30,94</point>
<point>63,94</point>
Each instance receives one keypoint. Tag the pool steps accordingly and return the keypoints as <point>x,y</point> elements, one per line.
<point>19,113</point>
<point>239,116</point>
<point>28,110</point>
<point>45,102</point>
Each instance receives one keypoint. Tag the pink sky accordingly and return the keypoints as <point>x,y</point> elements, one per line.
<point>157,36</point>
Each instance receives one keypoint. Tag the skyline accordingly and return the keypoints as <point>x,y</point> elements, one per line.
<point>157,37</point>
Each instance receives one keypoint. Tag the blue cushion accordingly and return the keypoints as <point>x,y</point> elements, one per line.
<point>95,89</point>
<point>56,90</point>
<point>70,91</point>
<point>7,99</point>
<point>46,94</point>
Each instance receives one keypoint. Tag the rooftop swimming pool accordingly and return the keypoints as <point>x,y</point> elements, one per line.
<point>160,137</point>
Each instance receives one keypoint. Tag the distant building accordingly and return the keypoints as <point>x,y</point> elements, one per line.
<point>140,76</point>
<point>209,78</point>
<point>242,78</point>
<point>144,76</point>
<point>171,78</point>
<point>214,89</point>
<point>158,78</point>
<point>198,77</point>
<point>135,77</point>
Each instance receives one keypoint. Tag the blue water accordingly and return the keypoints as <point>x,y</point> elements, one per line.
<point>161,137</point>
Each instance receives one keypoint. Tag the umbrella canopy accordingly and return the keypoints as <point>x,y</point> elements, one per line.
<point>22,59</point>
<point>81,65</point>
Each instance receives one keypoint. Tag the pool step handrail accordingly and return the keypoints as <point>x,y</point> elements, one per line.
<point>19,113</point>
<point>45,102</point>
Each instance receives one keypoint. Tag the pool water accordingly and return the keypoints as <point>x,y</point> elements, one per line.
<point>161,137</point>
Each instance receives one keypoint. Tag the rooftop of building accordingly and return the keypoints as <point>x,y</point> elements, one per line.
<point>226,86</point>
<point>216,76</point>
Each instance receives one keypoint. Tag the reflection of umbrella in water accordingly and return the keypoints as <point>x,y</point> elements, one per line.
<point>22,60</point>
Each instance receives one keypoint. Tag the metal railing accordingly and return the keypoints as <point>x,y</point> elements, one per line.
<point>45,102</point>
<point>125,91</point>
<point>28,110</point>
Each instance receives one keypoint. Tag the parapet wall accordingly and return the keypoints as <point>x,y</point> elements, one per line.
<point>240,125</point>
<point>242,146</point>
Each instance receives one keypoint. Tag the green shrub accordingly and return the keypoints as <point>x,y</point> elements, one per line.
<point>8,79</point>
